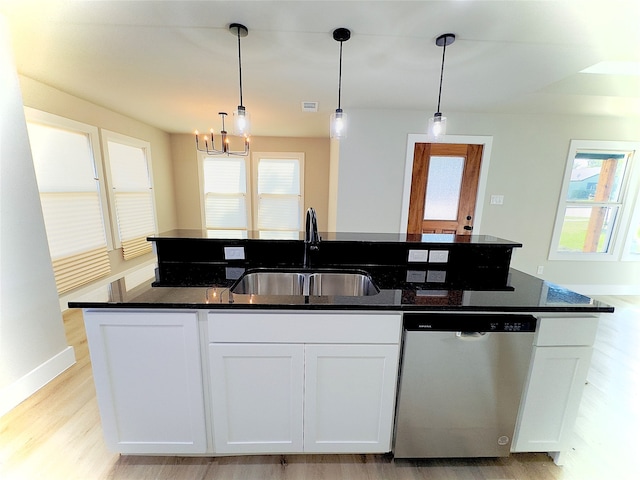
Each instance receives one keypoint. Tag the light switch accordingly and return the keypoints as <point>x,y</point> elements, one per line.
<point>234,253</point>
<point>418,255</point>
<point>497,199</point>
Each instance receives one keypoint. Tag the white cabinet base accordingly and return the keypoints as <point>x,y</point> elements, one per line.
<point>148,377</point>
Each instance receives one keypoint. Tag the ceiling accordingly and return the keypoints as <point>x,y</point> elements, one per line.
<point>174,64</point>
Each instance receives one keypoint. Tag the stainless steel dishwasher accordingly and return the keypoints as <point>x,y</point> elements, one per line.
<point>461,382</point>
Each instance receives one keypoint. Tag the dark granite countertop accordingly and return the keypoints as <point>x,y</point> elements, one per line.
<point>440,239</point>
<point>522,293</point>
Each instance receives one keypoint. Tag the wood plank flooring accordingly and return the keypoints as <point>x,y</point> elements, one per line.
<point>56,433</point>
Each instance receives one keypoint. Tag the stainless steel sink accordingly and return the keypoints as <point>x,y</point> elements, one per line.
<point>270,283</point>
<point>314,283</point>
<point>350,284</point>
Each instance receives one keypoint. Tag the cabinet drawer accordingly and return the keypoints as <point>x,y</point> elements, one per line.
<point>579,331</point>
<point>307,327</point>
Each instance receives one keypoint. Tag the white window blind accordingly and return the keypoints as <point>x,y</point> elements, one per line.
<point>132,196</point>
<point>225,193</point>
<point>70,197</point>
<point>279,199</point>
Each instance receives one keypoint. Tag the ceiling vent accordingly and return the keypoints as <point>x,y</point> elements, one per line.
<point>309,106</point>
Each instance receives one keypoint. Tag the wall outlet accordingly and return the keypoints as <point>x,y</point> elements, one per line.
<point>416,276</point>
<point>436,276</point>
<point>439,256</point>
<point>540,270</point>
<point>234,253</point>
<point>418,255</point>
<point>497,199</point>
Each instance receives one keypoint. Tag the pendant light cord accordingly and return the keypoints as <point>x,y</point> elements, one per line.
<point>444,49</point>
<point>240,66</point>
<point>340,77</point>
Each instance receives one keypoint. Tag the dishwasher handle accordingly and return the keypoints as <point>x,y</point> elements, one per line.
<point>470,335</point>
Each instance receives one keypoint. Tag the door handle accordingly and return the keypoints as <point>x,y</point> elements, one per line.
<point>468,227</point>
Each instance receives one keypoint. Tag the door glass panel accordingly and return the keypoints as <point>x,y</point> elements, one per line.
<point>443,188</point>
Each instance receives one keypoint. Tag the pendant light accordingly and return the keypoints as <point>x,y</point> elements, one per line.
<point>338,124</point>
<point>438,124</point>
<point>241,119</point>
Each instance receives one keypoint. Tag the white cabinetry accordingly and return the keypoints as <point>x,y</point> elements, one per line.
<point>294,382</point>
<point>559,367</point>
<point>148,377</point>
<point>256,393</point>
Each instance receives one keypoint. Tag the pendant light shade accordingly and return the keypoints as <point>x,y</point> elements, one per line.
<point>338,123</point>
<point>438,123</point>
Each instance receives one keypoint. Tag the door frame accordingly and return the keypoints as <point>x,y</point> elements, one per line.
<point>413,138</point>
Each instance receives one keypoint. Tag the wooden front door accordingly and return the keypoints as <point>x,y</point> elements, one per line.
<point>444,186</point>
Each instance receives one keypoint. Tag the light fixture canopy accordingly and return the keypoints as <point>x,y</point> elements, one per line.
<point>438,123</point>
<point>241,118</point>
<point>338,123</point>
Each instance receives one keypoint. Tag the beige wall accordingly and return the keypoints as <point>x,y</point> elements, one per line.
<point>316,183</point>
<point>43,97</point>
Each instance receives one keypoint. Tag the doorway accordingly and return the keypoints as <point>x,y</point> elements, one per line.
<point>444,188</point>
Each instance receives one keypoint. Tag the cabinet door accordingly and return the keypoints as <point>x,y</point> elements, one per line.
<point>552,398</point>
<point>256,395</point>
<point>148,377</point>
<point>349,398</point>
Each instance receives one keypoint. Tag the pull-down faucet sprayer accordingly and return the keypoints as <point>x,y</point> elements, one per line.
<point>311,236</point>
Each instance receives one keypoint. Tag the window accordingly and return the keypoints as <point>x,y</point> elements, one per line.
<point>596,204</point>
<point>225,194</point>
<point>131,192</point>
<point>66,162</point>
<point>265,194</point>
<point>278,195</point>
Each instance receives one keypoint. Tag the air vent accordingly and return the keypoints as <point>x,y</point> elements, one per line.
<point>309,106</point>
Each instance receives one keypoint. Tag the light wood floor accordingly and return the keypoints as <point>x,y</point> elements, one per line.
<point>56,434</point>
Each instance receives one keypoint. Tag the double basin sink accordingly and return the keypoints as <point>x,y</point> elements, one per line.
<point>349,283</point>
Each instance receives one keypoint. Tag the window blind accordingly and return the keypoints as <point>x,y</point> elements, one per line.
<point>279,199</point>
<point>69,194</point>
<point>133,197</point>
<point>225,191</point>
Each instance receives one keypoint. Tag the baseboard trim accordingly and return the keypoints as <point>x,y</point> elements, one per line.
<point>591,290</point>
<point>15,393</point>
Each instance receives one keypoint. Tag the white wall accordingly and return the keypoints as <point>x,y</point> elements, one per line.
<point>33,347</point>
<point>528,158</point>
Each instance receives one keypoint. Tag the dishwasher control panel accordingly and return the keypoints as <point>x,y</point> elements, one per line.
<point>442,322</point>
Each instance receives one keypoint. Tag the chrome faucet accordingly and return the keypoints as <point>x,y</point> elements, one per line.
<point>311,236</point>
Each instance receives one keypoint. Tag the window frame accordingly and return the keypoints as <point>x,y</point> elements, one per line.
<point>619,240</point>
<point>202,157</point>
<point>255,160</point>
<point>106,136</point>
<point>52,120</point>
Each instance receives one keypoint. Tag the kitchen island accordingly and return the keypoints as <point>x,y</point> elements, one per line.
<point>183,365</point>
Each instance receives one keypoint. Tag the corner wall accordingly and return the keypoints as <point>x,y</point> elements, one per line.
<point>33,347</point>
